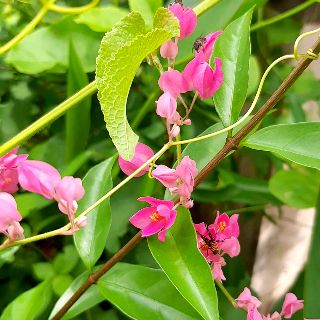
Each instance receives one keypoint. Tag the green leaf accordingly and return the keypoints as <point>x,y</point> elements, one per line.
<point>185,267</point>
<point>298,142</point>
<point>295,188</point>
<point>65,261</point>
<point>47,48</point>
<point>90,240</point>
<point>88,300</point>
<point>29,304</point>
<point>127,45</point>
<point>311,275</point>
<point>28,202</point>
<point>78,118</point>
<point>144,8</point>
<point>144,293</point>
<point>254,75</point>
<point>102,19</point>
<point>233,48</point>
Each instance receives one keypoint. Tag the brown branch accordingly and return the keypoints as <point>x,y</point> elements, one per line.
<point>231,144</point>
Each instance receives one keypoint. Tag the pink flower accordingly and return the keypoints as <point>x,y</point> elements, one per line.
<point>166,176</point>
<point>157,218</point>
<point>274,316</point>
<point>205,51</point>
<point>254,314</point>
<point>247,301</point>
<point>38,177</point>
<point>216,267</point>
<point>291,305</point>
<point>142,153</point>
<point>172,81</point>
<point>10,217</point>
<point>230,246</point>
<point>167,106</point>
<point>204,240</point>
<point>207,81</point>
<point>9,170</point>
<point>225,226</point>
<point>169,50</point>
<point>187,19</point>
<point>190,72</point>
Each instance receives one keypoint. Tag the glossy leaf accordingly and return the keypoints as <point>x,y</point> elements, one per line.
<point>311,277</point>
<point>102,19</point>
<point>233,48</point>
<point>78,118</point>
<point>47,48</point>
<point>114,83</point>
<point>185,267</point>
<point>29,304</point>
<point>295,188</point>
<point>298,142</point>
<point>88,300</point>
<point>144,293</point>
<point>90,240</point>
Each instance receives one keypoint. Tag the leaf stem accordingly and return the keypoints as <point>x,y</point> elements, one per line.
<point>72,10</point>
<point>226,293</point>
<point>283,15</point>
<point>48,118</point>
<point>28,28</point>
<point>247,114</point>
<point>204,6</point>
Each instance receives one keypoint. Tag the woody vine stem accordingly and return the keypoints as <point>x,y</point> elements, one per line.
<point>231,144</point>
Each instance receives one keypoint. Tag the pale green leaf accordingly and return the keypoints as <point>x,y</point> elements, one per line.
<point>121,52</point>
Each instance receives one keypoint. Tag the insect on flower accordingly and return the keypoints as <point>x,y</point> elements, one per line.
<point>199,43</point>
<point>177,1</point>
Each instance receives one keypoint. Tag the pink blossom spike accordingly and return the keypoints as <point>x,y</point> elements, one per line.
<point>169,50</point>
<point>247,301</point>
<point>166,176</point>
<point>187,19</point>
<point>142,153</point>
<point>205,51</point>
<point>157,218</point>
<point>38,177</point>
<point>207,81</point>
<point>166,106</point>
<point>172,81</point>
<point>291,305</point>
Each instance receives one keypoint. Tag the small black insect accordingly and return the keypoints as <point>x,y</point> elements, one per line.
<point>199,43</point>
<point>177,1</point>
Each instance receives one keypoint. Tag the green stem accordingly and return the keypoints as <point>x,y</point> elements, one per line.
<point>72,10</point>
<point>179,152</point>
<point>226,293</point>
<point>88,210</point>
<point>204,6</point>
<point>283,15</point>
<point>246,209</point>
<point>28,28</point>
<point>48,118</point>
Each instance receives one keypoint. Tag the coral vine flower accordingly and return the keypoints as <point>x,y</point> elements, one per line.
<point>169,50</point>
<point>254,314</point>
<point>247,301</point>
<point>157,218</point>
<point>173,82</point>
<point>9,170</point>
<point>10,217</point>
<point>38,177</point>
<point>291,305</point>
<point>205,51</point>
<point>274,316</point>
<point>225,226</point>
<point>142,153</point>
<point>187,19</point>
<point>167,107</point>
<point>165,175</point>
<point>216,267</point>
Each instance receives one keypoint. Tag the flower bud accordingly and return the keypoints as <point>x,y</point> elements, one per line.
<point>169,50</point>
<point>174,131</point>
<point>166,106</point>
<point>172,82</point>
<point>166,176</point>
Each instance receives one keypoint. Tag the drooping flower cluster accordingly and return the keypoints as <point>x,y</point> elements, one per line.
<point>37,177</point>
<point>251,304</point>
<point>197,76</point>
<point>217,239</point>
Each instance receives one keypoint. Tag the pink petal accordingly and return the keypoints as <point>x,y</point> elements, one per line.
<point>172,82</point>
<point>169,224</point>
<point>166,106</point>
<point>141,219</point>
<point>206,51</point>
<point>8,211</point>
<point>153,228</point>
<point>156,202</point>
<point>169,50</point>
<point>246,301</point>
<point>166,176</point>
<point>231,247</point>
<point>291,305</point>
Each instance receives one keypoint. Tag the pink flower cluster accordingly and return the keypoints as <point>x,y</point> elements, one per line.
<point>218,239</point>
<point>38,177</point>
<point>197,76</point>
<point>251,304</point>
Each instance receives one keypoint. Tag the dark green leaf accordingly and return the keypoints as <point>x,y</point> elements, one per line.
<point>311,276</point>
<point>233,48</point>
<point>144,293</point>
<point>185,267</point>
<point>78,118</point>
<point>91,240</point>
<point>29,304</point>
<point>296,188</point>
<point>298,142</point>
